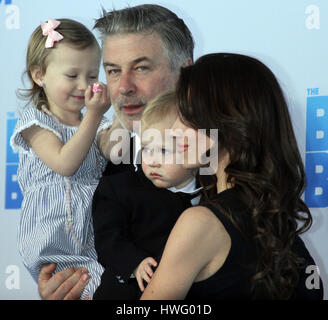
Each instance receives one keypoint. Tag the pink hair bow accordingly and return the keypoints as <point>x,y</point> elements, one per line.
<point>48,29</point>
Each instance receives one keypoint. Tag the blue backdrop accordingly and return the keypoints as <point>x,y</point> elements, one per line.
<point>289,36</point>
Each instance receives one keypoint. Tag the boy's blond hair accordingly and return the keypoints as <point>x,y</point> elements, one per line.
<point>159,109</point>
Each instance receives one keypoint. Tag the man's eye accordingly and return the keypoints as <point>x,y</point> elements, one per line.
<point>113,71</point>
<point>71,75</point>
<point>142,68</point>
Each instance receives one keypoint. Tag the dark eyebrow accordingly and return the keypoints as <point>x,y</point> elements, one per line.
<point>136,61</point>
<point>109,64</point>
<point>141,59</point>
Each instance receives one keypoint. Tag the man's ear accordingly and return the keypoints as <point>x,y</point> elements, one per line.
<point>37,75</point>
<point>187,63</point>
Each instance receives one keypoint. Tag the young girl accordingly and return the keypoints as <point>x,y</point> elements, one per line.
<point>59,157</point>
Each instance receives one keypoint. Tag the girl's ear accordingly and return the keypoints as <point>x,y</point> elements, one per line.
<point>37,75</point>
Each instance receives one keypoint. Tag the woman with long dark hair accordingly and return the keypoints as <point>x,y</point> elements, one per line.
<point>243,240</point>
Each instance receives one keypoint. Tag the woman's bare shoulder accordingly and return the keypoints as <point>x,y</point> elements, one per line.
<point>200,213</point>
<point>200,219</point>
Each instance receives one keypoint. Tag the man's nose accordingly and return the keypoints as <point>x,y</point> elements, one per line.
<point>127,84</point>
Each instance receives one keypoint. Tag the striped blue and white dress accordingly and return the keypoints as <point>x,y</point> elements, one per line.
<point>43,236</point>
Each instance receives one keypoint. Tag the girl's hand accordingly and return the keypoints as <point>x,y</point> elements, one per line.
<point>144,271</point>
<point>96,98</point>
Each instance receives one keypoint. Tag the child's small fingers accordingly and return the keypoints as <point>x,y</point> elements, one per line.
<point>146,277</point>
<point>87,90</point>
<point>140,284</point>
<point>149,271</point>
<point>87,93</point>
<point>152,261</point>
<point>97,88</point>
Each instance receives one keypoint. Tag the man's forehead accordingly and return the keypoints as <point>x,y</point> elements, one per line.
<point>131,47</point>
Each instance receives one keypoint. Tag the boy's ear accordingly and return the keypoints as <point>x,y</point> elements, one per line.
<point>37,75</point>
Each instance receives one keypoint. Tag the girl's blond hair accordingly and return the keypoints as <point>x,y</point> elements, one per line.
<point>74,33</point>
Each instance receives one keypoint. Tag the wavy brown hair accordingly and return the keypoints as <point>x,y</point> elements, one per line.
<point>241,97</point>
